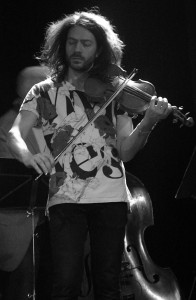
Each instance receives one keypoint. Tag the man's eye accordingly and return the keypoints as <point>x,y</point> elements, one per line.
<point>71,42</point>
<point>86,44</point>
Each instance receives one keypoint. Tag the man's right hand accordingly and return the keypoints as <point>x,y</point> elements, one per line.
<point>41,162</point>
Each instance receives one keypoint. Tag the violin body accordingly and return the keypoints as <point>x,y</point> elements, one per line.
<point>141,279</point>
<point>138,104</point>
<point>98,91</point>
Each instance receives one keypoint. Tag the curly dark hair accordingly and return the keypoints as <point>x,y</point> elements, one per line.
<point>109,44</point>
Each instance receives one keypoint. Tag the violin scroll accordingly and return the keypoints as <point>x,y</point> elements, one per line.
<point>183,118</point>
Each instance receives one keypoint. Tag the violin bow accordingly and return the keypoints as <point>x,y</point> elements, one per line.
<point>98,113</point>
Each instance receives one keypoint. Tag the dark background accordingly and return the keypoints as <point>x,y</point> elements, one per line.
<point>160,42</point>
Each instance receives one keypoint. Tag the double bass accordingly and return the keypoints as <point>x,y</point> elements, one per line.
<point>141,278</point>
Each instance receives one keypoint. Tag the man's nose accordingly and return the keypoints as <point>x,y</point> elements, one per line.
<point>78,47</point>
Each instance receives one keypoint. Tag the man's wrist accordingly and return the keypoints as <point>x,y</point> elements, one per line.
<point>145,129</point>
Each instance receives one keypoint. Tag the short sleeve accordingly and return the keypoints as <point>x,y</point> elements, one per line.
<point>30,101</point>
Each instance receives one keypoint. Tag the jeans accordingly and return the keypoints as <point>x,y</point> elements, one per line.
<point>69,225</point>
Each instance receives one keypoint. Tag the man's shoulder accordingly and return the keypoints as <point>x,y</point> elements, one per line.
<point>41,88</point>
<point>45,84</point>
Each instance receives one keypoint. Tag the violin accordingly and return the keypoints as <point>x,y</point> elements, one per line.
<point>133,96</point>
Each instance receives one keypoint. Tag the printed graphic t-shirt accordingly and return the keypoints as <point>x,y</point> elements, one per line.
<point>88,169</point>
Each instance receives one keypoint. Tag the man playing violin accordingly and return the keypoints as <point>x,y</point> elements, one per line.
<point>87,192</point>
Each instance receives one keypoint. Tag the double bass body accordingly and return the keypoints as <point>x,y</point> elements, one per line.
<point>141,279</point>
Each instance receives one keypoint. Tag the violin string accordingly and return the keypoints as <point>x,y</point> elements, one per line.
<point>139,93</point>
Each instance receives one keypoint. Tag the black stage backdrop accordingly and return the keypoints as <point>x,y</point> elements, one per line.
<point>160,42</point>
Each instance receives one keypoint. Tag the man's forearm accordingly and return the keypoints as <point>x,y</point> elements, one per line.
<point>17,146</point>
<point>131,144</point>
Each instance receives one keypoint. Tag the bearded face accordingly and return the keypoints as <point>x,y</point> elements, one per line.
<point>81,49</point>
